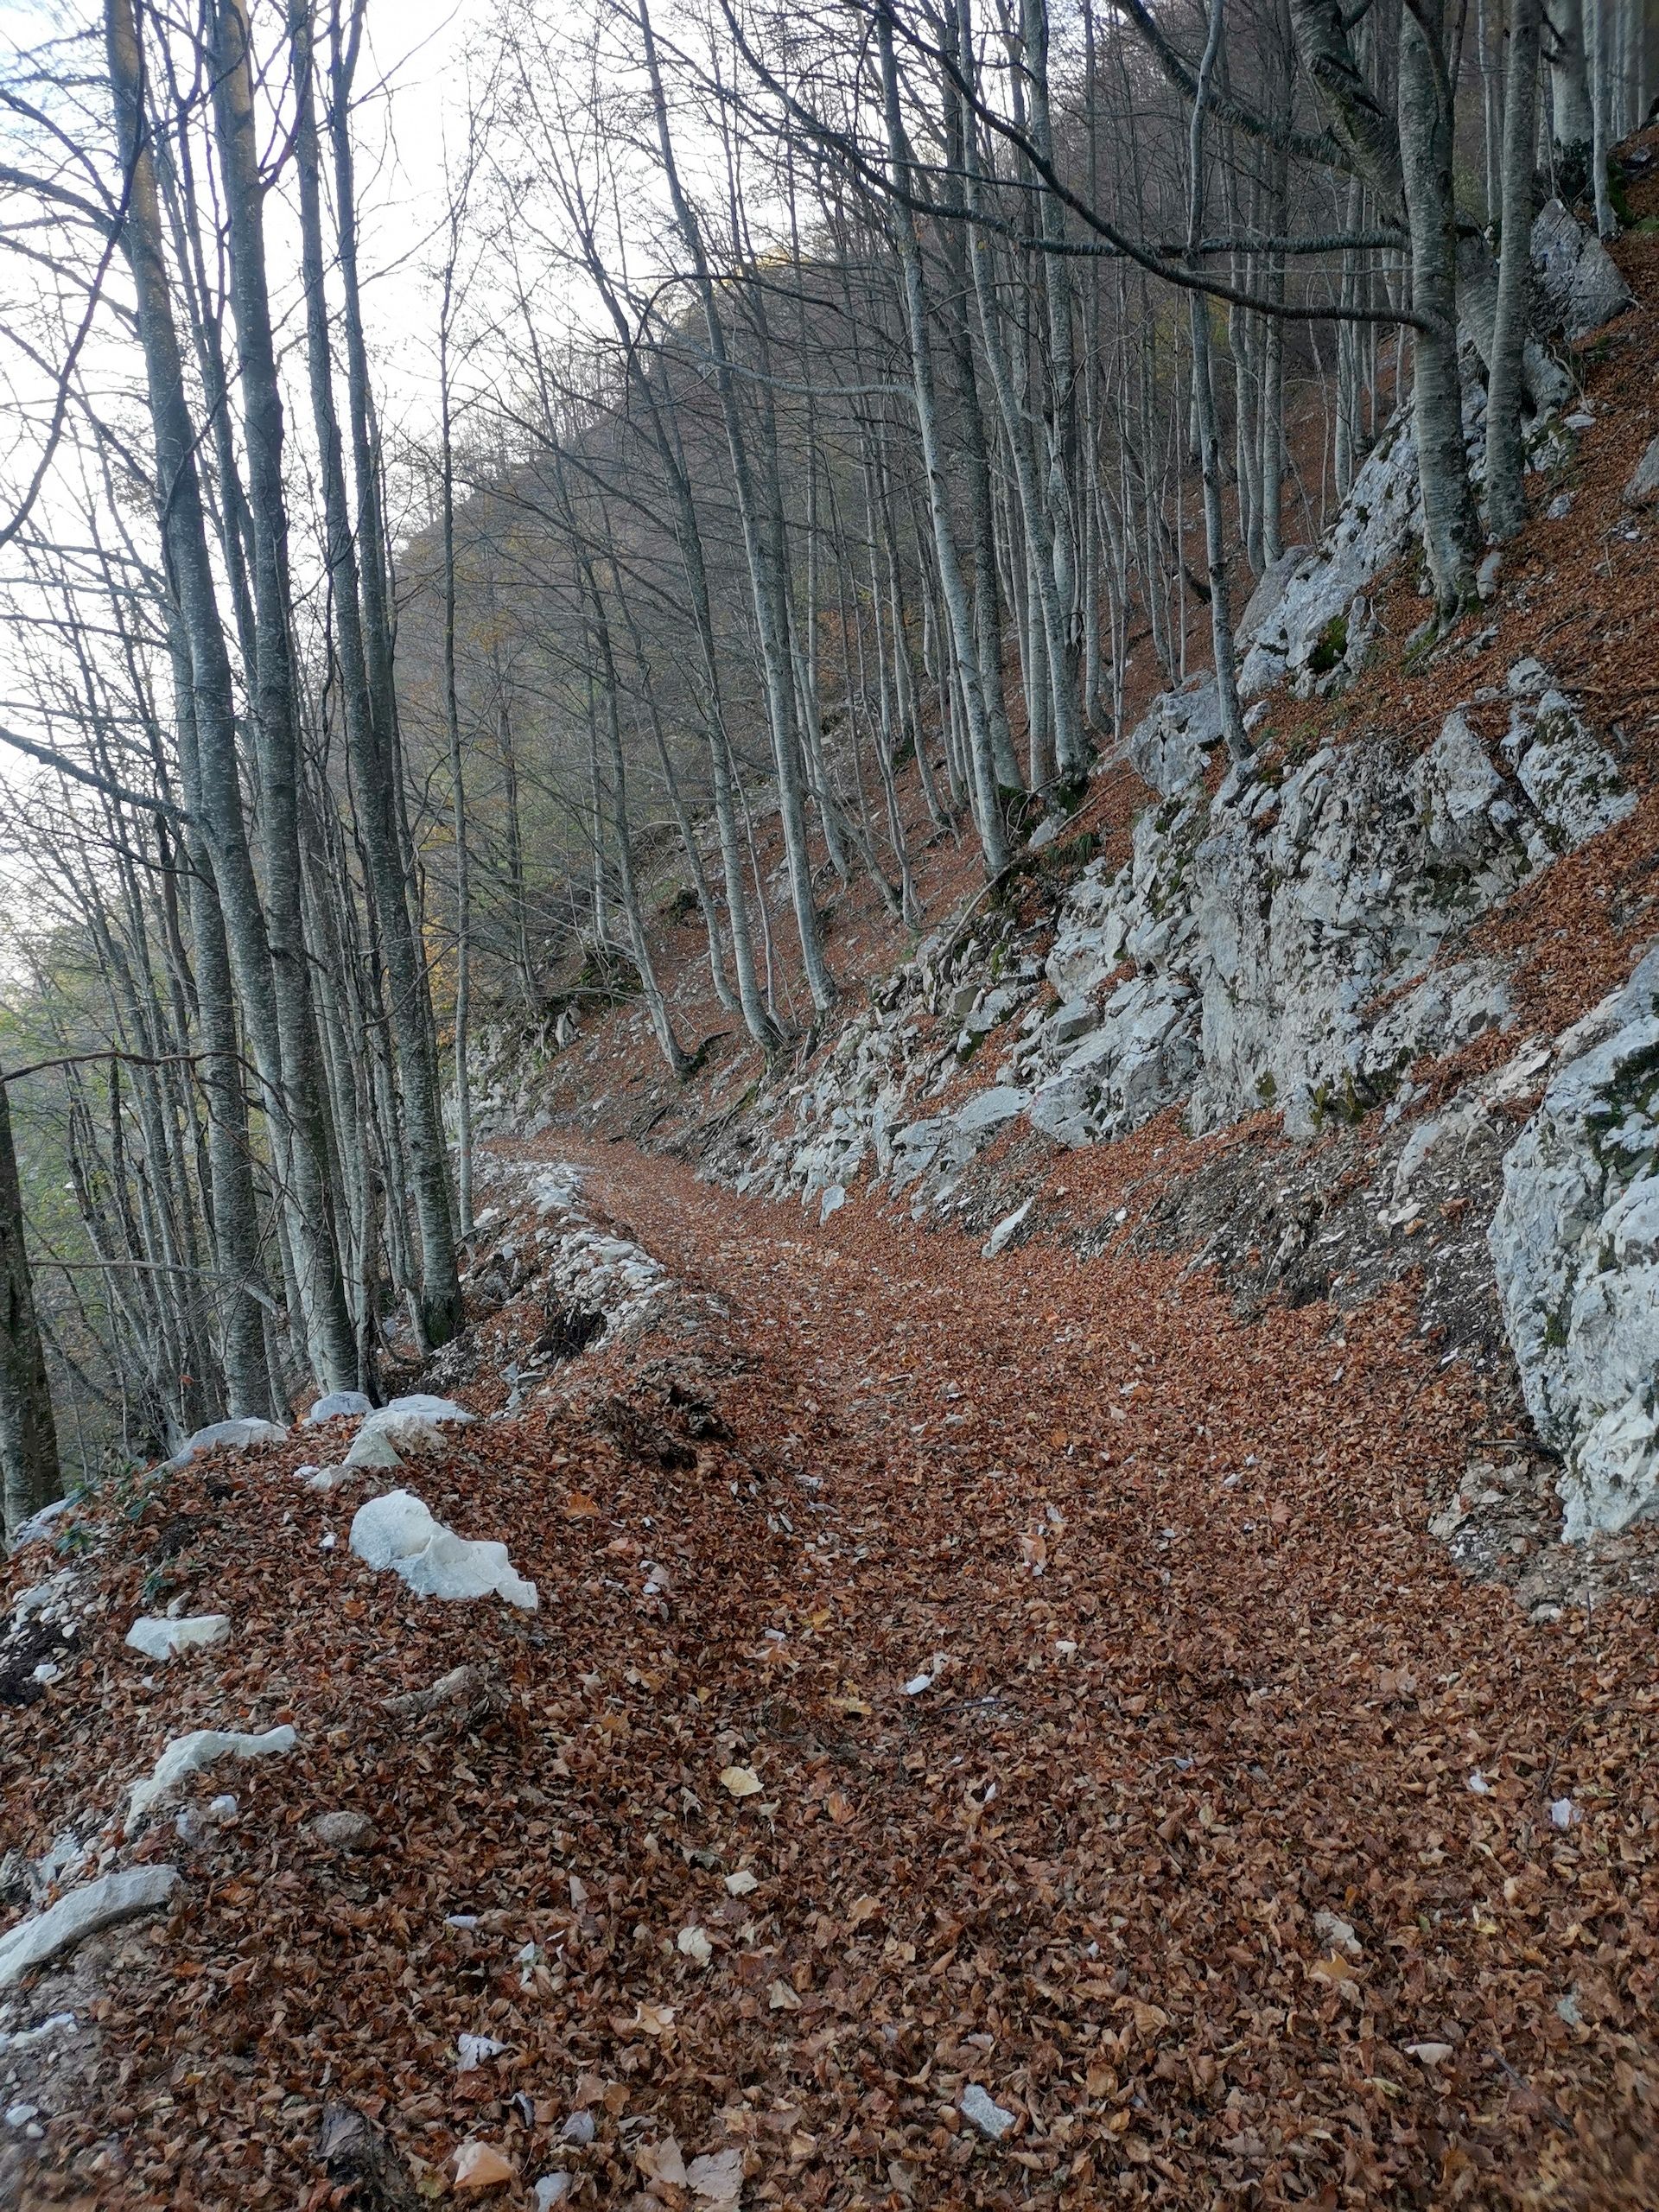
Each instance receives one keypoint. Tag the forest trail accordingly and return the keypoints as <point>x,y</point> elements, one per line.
<point>1032,1680</point>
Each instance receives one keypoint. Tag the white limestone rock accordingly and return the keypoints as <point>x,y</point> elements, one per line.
<point>339,1405</point>
<point>387,1439</point>
<point>1171,744</point>
<point>38,1525</point>
<point>158,1637</point>
<point>424,1406</point>
<point>123,1895</point>
<point>990,2118</point>
<point>1642,489</point>
<point>1575,1243</point>
<point>1577,275</point>
<point>1317,631</point>
<point>371,1448</point>
<point>1566,773</point>
<point>188,1755</point>
<point>397,1531</point>
<point>1005,1231</point>
<point>229,1436</point>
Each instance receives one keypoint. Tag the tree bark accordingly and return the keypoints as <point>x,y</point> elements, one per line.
<point>1506,501</point>
<point>1451,533</point>
<point>29,1436</point>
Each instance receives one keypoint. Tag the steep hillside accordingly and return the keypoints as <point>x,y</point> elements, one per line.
<point>1297,1019</point>
<point>1046,1600</point>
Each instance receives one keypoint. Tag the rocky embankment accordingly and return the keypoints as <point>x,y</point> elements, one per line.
<point>1296,939</point>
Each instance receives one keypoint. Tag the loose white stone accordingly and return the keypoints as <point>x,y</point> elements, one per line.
<point>55,2023</point>
<point>1002,1234</point>
<point>397,1531</point>
<point>103,1904</point>
<point>188,1755</point>
<point>339,1405</point>
<point>159,1638</point>
<point>991,2119</point>
<point>228,1435</point>
<point>373,1448</point>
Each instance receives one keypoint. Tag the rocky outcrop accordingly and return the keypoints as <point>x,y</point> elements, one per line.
<point>1309,623</point>
<point>1575,1243</point>
<point>1579,285</point>
<point>1290,943</point>
<point>1284,944</point>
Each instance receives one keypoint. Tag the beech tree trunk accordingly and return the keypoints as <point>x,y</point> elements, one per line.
<point>1451,533</point>
<point>1506,502</point>
<point>29,1436</point>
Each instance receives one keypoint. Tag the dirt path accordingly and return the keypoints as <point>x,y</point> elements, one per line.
<point>1097,1721</point>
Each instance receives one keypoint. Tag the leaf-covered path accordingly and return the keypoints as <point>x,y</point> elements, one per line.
<point>1016,1689</point>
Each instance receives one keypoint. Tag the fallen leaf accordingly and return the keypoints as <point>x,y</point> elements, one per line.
<point>741,1884</point>
<point>480,2166</point>
<point>662,2162</point>
<point>782,1999</point>
<point>1333,1968</point>
<point>716,2179</point>
<point>741,1781</point>
<point>695,1945</point>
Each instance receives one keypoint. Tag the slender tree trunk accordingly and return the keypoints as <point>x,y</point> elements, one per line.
<point>327,1322</point>
<point>29,1436</point>
<point>1451,534</point>
<point>1573,126</point>
<point>374,755</point>
<point>765,584</point>
<point>1221,620</point>
<point>1506,499</point>
<point>993,834</point>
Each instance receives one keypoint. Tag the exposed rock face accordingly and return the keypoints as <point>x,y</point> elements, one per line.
<point>1643,490</point>
<point>1292,943</point>
<point>1285,944</point>
<point>1307,625</point>
<point>1579,280</point>
<point>1284,939</point>
<point>1575,1241</point>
